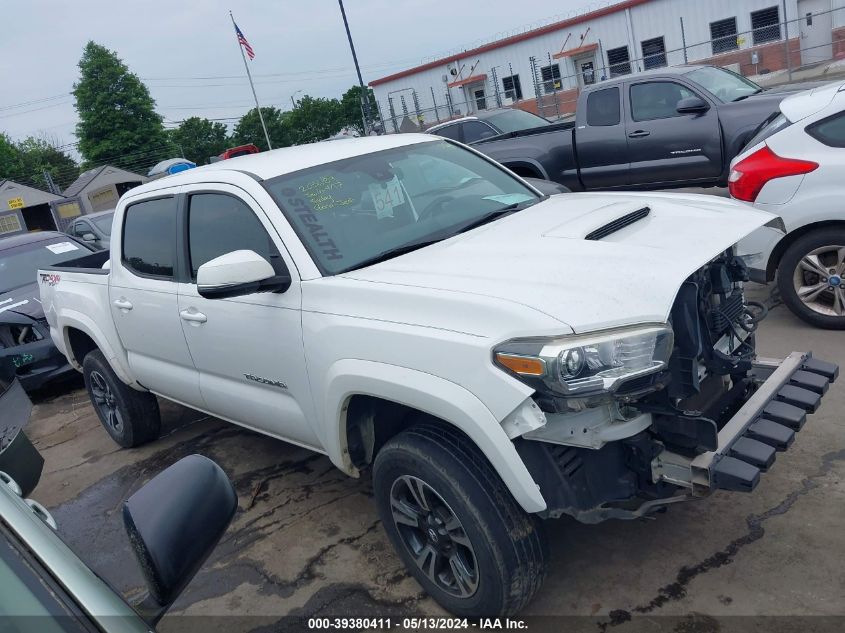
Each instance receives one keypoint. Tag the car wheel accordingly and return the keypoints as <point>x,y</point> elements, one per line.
<point>130,417</point>
<point>455,525</point>
<point>810,278</point>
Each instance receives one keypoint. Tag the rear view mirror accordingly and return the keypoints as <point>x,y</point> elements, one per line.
<point>692,105</point>
<point>173,523</point>
<point>239,273</point>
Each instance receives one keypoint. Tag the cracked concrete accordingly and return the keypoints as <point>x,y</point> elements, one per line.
<point>306,539</point>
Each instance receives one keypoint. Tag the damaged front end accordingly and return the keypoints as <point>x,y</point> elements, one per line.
<point>706,415</point>
<point>25,344</point>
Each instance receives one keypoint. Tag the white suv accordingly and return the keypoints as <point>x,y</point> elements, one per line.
<point>795,168</point>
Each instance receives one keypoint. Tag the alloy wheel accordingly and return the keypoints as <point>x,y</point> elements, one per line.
<point>105,401</point>
<point>434,536</point>
<point>818,280</point>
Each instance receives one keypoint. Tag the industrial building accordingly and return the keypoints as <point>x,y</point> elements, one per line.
<point>542,69</point>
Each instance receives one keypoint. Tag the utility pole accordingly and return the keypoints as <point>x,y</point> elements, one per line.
<point>365,101</point>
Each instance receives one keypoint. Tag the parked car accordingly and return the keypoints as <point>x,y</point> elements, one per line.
<point>404,304</point>
<point>489,123</point>
<point>793,168</point>
<point>173,523</point>
<point>672,127</point>
<point>24,333</point>
<point>94,229</point>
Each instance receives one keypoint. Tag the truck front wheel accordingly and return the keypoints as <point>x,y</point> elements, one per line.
<point>130,417</point>
<point>456,527</point>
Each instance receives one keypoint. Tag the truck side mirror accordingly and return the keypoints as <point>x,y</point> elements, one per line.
<point>692,105</point>
<point>89,237</point>
<point>237,274</point>
<point>173,523</point>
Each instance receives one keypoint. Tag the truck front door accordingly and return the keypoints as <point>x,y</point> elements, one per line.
<point>248,350</point>
<point>143,301</point>
<point>665,146</point>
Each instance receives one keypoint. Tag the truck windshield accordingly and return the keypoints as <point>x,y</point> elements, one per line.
<point>516,120</point>
<point>723,84</point>
<point>19,265</point>
<point>351,211</point>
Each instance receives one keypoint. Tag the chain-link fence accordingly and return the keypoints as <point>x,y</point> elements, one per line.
<point>772,51</point>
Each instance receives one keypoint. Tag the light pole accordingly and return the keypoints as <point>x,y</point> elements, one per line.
<point>292,102</point>
<point>365,102</point>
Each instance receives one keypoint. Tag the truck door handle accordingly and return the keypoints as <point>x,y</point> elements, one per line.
<point>193,316</point>
<point>122,303</point>
<point>638,134</point>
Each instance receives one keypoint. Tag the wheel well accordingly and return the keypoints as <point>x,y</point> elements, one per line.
<point>372,421</point>
<point>80,344</point>
<point>524,169</point>
<point>786,242</point>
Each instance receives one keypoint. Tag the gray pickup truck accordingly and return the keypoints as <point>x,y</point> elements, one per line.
<point>672,127</point>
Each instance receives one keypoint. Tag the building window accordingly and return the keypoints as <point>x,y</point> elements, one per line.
<point>513,89</point>
<point>551,78</point>
<point>723,35</point>
<point>765,25</point>
<point>619,61</point>
<point>654,53</point>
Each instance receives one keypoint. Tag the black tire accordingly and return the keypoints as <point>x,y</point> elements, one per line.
<point>130,417</point>
<point>816,240</point>
<point>507,546</point>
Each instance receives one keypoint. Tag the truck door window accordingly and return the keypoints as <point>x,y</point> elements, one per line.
<point>219,224</point>
<point>476,130</point>
<point>603,107</point>
<point>657,99</point>
<point>149,237</point>
<point>450,131</point>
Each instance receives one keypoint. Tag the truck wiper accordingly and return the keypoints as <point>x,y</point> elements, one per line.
<point>393,252</point>
<point>750,94</point>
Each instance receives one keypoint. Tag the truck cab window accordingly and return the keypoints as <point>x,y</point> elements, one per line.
<point>657,99</point>
<point>476,130</point>
<point>219,224</point>
<point>149,237</point>
<point>450,131</point>
<point>603,107</point>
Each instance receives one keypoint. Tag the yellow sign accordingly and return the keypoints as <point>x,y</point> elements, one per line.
<point>16,203</point>
<point>68,210</point>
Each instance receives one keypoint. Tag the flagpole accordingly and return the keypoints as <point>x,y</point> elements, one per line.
<point>251,85</point>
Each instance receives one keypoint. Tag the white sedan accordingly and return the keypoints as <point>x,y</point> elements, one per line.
<point>795,168</point>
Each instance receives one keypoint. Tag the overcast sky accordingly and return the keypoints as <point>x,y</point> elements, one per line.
<point>187,54</point>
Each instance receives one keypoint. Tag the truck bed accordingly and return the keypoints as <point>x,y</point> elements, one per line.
<point>544,129</point>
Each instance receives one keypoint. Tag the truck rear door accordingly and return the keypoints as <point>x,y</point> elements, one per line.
<point>601,144</point>
<point>665,146</point>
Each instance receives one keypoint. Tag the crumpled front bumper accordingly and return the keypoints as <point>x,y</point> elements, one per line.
<point>766,424</point>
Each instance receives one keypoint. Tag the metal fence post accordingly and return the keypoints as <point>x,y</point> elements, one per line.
<point>449,104</point>
<point>554,87</point>
<point>434,101</point>
<point>392,114</point>
<point>537,94</point>
<point>496,87</point>
<point>684,39</point>
<point>381,118</point>
<point>786,42</point>
<point>404,105</point>
<point>419,120</point>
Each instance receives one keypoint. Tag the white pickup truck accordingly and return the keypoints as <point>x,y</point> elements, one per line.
<point>404,304</point>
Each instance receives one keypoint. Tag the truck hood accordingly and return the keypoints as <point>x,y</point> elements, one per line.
<point>541,258</point>
<point>23,300</point>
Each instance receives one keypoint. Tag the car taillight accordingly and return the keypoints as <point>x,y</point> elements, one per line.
<point>750,174</point>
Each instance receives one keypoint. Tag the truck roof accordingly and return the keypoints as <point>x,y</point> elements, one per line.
<point>287,160</point>
<point>668,71</point>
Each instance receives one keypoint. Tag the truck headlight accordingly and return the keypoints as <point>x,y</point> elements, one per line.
<point>590,363</point>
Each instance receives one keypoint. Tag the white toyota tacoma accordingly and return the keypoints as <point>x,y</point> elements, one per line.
<point>407,306</point>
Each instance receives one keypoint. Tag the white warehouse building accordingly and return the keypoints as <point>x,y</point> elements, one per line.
<point>542,69</point>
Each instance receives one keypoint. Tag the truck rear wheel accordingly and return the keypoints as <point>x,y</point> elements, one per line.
<point>455,525</point>
<point>811,278</point>
<point>130,417</point>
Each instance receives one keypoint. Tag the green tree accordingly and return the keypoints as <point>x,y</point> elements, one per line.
<point>118,123</point>
<point>315,119</point>
<point>351,109</point>
<point>200,138</point>
<point>248,129</point>
<point>38,155</point>
<point>10,159</point>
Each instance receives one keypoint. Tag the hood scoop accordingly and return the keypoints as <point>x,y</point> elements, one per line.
<point>618,224</point>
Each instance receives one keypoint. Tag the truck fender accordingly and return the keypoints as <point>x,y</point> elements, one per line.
<point>84,323</point>
<point>432,395</point>
<point>513,164</point>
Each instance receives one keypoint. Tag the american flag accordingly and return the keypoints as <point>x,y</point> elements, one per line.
<point>242,41</point>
